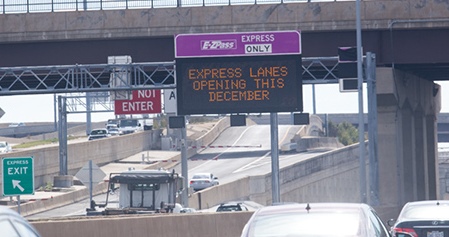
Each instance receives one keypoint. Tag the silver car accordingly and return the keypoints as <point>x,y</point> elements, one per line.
<point>201,181</point>
<point>315,219</point>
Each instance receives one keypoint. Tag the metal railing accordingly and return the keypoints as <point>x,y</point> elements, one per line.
<point>36,6</point>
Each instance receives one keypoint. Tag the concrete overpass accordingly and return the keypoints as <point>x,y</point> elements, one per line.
<point>408,64</point>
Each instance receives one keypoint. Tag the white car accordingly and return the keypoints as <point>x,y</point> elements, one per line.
<point>114,131</point>
<point>4,147</point>
<point>201,181</point>
<point>98,134</point>
<point>15,125</point>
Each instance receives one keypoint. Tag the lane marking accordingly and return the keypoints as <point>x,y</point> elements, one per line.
<point>216,157</point>
<point>253,163</point>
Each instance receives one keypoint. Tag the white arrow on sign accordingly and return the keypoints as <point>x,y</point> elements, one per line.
<point>16,184</point>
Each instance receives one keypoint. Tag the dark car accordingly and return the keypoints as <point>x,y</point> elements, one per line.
<point>231,207</point>
<point>315,219</point>
<point>13,224</point>
<point>422,218</point>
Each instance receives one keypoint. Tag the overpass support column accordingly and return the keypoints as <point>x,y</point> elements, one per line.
<point>407,143</point>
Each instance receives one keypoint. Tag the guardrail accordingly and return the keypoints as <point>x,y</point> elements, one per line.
<point>36,6</point>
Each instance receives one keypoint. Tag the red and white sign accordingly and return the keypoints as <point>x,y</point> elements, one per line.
<point>142,102</point>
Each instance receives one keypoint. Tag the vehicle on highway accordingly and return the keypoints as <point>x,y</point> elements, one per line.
<point>14,125</point>
<point>4,147</point>
<point>142,191</point>
<point>231,206</point>
<point>315,219</point>
<point>13,224</point>
<point>111,125</point>
<point>98,134</point>
<point>422,218</point>
<point>129,125</point>
<point>201,181</point>
<point>114,131</point>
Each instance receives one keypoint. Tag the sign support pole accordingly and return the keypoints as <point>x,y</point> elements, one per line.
<point>18,204</point>
<point>362,159</point>
<point>90,183</point>
<point>184,168</point>
<point>275,190</point>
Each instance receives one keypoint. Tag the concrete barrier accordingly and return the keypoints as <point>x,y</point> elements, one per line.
<point>161,225</point>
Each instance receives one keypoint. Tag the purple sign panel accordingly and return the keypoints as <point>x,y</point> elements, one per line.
<point>238,44</point>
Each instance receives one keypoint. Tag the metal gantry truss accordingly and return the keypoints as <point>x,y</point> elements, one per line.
<point>320,70</point>
<point>86,78</point>
<point>101,79</point>
<point>98,81</point>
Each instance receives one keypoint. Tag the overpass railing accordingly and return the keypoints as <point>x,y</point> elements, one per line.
<point>35,6</point>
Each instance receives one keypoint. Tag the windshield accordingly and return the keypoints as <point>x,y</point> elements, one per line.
<point>98,132</point>
<point>427,212</point>
<point>129,123</point>
<point>203,176</point>
<point>2,145</point>
<point>306,224</point>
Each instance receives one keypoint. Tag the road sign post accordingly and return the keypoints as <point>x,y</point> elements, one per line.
<point>18,176</point>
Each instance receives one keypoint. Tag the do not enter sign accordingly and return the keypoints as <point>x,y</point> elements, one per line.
<point>142,102</point>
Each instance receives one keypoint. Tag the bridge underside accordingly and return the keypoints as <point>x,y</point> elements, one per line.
<point>407,138</point>
<point>402,49</point>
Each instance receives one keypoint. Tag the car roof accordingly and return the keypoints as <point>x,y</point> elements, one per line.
<point>231,204</point>
<point>202,173</point>
<point>302,207</point>
<point>428,203</point>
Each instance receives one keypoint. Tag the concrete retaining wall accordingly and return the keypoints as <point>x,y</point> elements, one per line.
<point>164,225</point>
<point>331,177</point>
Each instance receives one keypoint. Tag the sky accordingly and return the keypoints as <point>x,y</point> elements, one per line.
<point>40,108</point>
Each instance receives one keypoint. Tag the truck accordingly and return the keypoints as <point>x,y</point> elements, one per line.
<point>142,191</point>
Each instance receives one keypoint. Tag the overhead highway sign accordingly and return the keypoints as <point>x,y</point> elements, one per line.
<point>141,102</point>
<point>238,44</point>
<point>250,72</point>
<point>239,85</point>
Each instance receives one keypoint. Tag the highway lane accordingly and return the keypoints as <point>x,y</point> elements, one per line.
<point>249,154</point>
<point>230,164</point>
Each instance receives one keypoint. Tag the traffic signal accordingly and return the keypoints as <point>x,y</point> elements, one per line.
<point>347,69</point>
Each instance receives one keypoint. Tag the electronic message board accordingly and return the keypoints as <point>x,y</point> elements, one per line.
<point>251,84</point>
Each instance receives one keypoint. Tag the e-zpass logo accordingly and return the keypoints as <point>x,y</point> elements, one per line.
<point>218,44</point>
